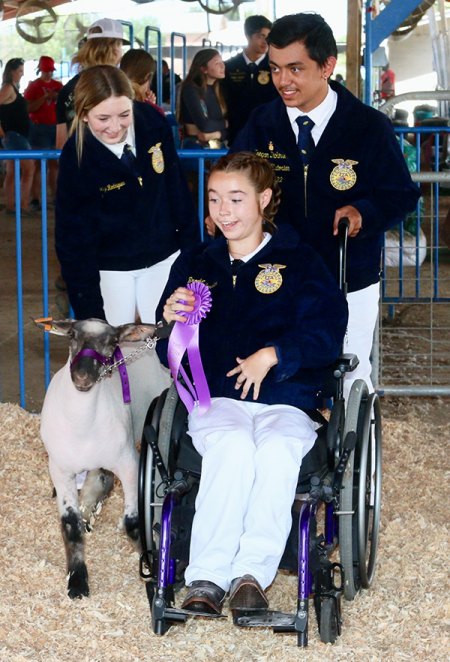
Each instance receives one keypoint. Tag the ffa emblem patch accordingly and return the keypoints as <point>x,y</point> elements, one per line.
<point>269,280</point>
<point>343,177</point>
<point>270,146</point>
<point>157,158</point>
<point>263,77</point>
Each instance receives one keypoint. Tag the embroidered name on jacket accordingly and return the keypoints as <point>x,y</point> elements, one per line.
<point>112,187</point>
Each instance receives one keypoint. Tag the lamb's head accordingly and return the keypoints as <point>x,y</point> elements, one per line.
<point>93,343</point>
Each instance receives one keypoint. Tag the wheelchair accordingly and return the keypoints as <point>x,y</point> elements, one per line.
<point>333,542</point>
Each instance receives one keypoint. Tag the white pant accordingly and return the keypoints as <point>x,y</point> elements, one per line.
<point>131,294</point>
<point>251,459</point>
<point>362,318</point>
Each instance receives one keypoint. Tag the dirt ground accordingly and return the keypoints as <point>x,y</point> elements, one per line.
<point>403,616</point>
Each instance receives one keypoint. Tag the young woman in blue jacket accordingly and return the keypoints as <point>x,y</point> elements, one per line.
<point>123,208</point>
<point>276,323</point>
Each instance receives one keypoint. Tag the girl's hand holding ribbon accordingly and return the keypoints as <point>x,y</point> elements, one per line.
<point>180,300</point>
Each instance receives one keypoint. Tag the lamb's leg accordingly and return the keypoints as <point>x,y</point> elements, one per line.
<point>96,488</point>
<point>127,473</point>
<point>72,528</point>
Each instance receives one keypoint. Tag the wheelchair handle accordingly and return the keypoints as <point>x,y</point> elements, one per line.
<point>343,226</point>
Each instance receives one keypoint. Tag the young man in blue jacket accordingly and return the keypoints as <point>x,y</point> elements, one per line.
<point>334,157</point>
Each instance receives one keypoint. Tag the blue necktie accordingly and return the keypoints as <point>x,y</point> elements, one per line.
<point>305,142</point>
<point>128,158</point>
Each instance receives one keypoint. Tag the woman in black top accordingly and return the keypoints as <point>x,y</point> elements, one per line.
<point>15,128</point>
<point>202,106</point>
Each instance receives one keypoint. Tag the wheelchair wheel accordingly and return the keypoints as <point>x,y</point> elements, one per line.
<point>150,491</point>
<point>349,494</point>
<point>369,498</point>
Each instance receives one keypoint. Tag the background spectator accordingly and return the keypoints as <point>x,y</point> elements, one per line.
<point>15,131</point>
<point>202,106</point>
<point>139,66</point>
<point>387,82</point>
<point>247,75</point>
<point>41,95</point>
<point>166,95</point>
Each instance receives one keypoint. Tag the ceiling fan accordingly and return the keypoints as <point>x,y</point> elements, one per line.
<point>36,21</point>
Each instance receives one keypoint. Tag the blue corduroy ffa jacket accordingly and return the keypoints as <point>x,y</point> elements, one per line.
<point>304,319</point>
<point>109,218</point>
<point>375,179</point>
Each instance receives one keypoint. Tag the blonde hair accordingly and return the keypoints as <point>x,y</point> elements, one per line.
<point>97,51</point>
<point>260,174</point>
<point>95,85</point>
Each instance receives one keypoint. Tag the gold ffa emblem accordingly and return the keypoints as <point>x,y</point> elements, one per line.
<point>269,280</point>
<point>157,158</point>
<point>270,146</point>
<point>343,177</point>
<point>263,77</point>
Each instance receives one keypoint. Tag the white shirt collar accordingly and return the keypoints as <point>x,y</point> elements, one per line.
<point>320,115</point>
<point>117,148</point>
<point>246,258</point>
<point>248,61</point>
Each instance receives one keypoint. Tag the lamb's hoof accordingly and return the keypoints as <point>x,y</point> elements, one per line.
<point>78,586</point>
<point>131,523</point>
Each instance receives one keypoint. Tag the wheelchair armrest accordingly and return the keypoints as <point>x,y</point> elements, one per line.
<point>345,363</point>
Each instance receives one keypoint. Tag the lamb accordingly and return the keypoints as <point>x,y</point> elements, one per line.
<point>87,426</point>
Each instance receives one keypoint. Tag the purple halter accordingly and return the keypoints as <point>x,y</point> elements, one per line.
<point>108,360</point>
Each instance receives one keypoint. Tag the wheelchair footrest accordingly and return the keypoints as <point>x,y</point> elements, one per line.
<point>265,618</point>
<point>174,614</point>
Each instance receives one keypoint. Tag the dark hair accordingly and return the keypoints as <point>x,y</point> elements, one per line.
<point>260,174</point>
<point>308,28</point>
<point>254,24</point>
<point>197,76</point>
<point>10,66</point>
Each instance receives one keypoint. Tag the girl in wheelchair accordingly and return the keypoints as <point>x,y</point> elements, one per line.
<point>277,322</point>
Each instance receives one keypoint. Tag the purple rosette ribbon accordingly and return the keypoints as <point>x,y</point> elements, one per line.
<point>185,338</point>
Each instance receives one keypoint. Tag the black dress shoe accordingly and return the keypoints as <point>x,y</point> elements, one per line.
<point>204,597</point>
<point>247,594</point>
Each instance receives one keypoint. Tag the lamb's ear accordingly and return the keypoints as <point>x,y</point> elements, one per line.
<point>135,332</point>
<point>58,327</point>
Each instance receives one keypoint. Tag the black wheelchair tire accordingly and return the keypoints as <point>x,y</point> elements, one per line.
<point>369,491</point>
<point>146,481</point>
<point>349,494</point>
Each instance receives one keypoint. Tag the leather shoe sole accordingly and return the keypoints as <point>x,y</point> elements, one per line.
<point>204,597</point>
<point>246,594</point>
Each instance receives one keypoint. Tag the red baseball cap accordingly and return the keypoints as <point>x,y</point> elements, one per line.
<point>46,63</point>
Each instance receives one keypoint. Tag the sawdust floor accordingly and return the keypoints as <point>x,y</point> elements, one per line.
<point>401,617</point>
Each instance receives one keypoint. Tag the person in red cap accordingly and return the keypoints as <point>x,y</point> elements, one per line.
<point>41,95</point>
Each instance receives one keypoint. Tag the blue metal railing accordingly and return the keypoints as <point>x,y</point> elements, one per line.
<point>202,157</point>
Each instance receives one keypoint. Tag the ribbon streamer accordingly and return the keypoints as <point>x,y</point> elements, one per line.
<point>185,338</point>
